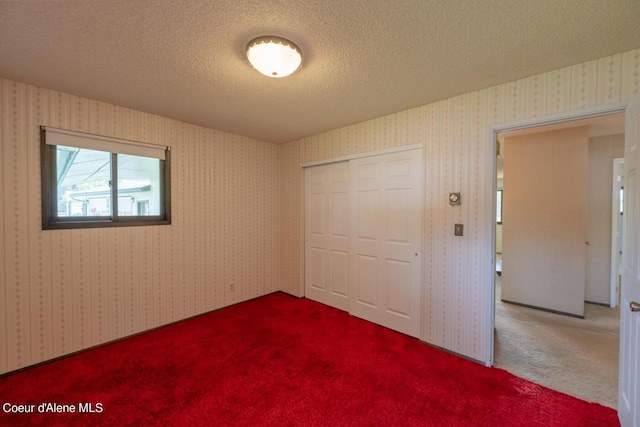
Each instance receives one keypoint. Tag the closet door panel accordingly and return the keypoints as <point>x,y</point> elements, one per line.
<point>386,239</point>
<point>327,234</point>
<point>363,237</point>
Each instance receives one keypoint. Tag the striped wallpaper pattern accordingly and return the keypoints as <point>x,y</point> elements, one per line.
<point>455,148</point>
<point>66,290</point>
<point>237,213</point>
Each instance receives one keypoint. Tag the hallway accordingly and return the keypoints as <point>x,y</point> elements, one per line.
<point>576,356</point>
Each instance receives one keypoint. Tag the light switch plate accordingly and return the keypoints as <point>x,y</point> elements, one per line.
<point>458,229</point>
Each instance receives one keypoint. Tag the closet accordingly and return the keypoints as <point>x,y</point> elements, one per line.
<point>363,237</point>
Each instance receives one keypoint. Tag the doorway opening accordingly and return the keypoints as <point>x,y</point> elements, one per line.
<point>602,122</point>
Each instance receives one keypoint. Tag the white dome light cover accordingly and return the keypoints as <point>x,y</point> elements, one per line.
<point>274,56</point>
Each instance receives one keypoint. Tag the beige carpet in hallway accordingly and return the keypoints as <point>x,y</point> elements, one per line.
<point>578,357</point>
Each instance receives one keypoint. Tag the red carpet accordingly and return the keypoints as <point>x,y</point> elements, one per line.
<point>276,361</point>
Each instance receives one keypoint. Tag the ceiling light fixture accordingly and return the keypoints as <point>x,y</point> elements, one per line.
<point>274,56</point>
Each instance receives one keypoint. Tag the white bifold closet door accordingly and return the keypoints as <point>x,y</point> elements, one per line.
<point>377,260</point>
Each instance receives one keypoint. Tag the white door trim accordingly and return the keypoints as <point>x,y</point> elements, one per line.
<point>362,155</point>
<point>491,188</point>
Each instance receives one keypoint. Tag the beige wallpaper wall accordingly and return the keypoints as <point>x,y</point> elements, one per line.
<point>545,219</point>
<point>237,213</point>
<point>454,136</point>
<point>65,290</point>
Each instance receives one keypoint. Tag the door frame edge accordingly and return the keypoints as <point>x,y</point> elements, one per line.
<point>491,188</point>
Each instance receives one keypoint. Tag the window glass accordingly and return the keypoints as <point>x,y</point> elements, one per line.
<point>82,178</point>
<point>621,200</point>
<point>138,185</point>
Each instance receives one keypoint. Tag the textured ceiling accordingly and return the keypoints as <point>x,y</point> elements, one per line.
<point>362,58</point>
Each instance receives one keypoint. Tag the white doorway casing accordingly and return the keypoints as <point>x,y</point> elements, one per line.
<point>490,252</point>
<point>629,378</point>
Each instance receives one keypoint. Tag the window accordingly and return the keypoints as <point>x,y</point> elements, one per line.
<point>96,181</point>
<point>499,207</point>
